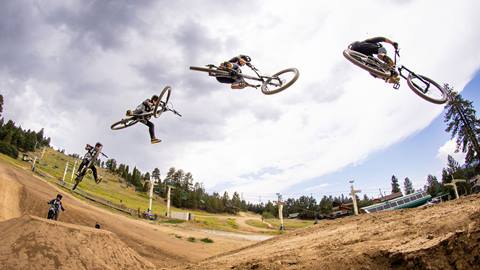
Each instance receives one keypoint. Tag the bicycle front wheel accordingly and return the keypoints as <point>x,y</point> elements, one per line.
<point>427,88</point>
<point>369,64</point>
<point>124,123</point>
<point>162,101</point>
<point>280,81</point>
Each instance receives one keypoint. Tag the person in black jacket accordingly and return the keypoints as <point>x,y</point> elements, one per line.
<point>373,46</point>
<point>147,106</point>
<point>233,66</point>
<point>56,205</point>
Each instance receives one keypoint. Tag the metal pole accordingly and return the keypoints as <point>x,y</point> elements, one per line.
<point>151,195</point>
<point>43,153</point>
<point>73,170</point>
<point>354,198</point>
<point>65,172</point>
<point>168,200</point>
<point>33,163</point>
<point>280,211</point>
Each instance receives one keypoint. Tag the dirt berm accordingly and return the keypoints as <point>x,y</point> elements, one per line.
<point>35,243</point>
<point>445,236</point>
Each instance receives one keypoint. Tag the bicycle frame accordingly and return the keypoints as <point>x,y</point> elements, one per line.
<point>400,68</point>
<point>259,77</point>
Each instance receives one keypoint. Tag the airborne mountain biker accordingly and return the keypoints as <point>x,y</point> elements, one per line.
<point>91,151</point>
<point>147,106</point>
<point>373,46</point>
<point>233,66</point>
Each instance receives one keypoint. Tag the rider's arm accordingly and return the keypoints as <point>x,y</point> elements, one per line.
<point>88,147</point>
<point>61,206</point>
<point>382,39</point>
<point>50,202</point>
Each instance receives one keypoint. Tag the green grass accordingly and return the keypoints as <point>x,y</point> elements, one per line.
<point>215,223</point>
<point>257,223</point>
<point>173,221</point>
<point>112,187</point>
<point>290,224</point>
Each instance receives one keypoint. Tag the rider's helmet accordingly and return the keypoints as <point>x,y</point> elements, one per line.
<point>154,97</point>
<point>98,144</point>
<point>245,57</point>
<point>59,196</point>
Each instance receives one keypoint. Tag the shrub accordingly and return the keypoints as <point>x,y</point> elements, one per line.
<point>207,240</point>
<point>191,239</point>
<point>8,149</point>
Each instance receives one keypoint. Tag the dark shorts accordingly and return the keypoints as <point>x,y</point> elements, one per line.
<point>225,80</point>
<point>367,48</point>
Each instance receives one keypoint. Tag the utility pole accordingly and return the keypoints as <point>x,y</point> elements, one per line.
<point>354,198</point>
<point>65,172</point>
<point>152,183</point>
<point>43,152</point>
<point>454,185</point>
<point>33,163</point>
<point>168,200</point>
<point>73,170</point>
<point>280,211</point>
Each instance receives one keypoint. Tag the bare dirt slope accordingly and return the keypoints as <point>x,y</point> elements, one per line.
<point>445,236</point>
<point>21,193</point>
<point>35,243</point>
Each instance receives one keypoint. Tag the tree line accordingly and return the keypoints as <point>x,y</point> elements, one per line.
<point>14,139</point>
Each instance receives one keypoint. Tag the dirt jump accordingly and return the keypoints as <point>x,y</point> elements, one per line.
<point>444,236</point>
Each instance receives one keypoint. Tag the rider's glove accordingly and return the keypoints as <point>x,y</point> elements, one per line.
<point>395,45</point>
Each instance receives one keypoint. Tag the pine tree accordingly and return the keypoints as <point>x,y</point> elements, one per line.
<point>408,186</point>
<point>433,186</point>
<point>395,185</point>
<point>1,105</point>
<point>463,124</point>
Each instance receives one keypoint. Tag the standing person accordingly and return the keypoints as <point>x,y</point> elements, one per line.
<point>89,156</point>
<point>373,46</point>
<point>55,206</point>
<point>147,106</point>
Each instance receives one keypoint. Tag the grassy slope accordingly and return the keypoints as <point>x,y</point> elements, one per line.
<point>112,188</point>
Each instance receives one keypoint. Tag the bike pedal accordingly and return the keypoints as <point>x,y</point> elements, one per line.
<point>396,86</point>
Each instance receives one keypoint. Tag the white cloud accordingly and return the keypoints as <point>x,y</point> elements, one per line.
<point>333,116</point>
<point>448,148</point>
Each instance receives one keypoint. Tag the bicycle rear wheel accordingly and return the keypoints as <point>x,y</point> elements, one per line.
<point>163,100</point>
<point>124,123</point>
<point>367,63</point>
<point>427,88</point>
<point>280,81</point>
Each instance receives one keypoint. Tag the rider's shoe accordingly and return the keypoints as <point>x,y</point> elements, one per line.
<point>129,113</point>
<point>155,140</point>
<point>394,80</point>
<point>239,85</point>
<point>98,180</point>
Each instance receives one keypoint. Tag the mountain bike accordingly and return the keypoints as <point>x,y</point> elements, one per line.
<point>84,170</point>
<point>421,85</point>
<point>160,107</point>
<point>269,84</point>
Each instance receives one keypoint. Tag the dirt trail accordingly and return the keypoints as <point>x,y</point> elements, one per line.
<point>35,243</point>
<point>445,236</point>
<point>158,244</point>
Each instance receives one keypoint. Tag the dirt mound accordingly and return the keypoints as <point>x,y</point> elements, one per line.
<point>35,243</point>
<point>445,236</point>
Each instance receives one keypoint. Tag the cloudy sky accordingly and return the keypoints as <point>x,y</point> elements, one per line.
<point>75,67</point>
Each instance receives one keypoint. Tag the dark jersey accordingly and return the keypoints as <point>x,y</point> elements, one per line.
<point>56,204</point>
<point>369,46</point>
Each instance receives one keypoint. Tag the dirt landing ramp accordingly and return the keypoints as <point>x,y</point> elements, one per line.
<point>445,236</point>
<point>34,243</point>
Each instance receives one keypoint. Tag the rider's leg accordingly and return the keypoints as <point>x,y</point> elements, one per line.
<point>83,164</point>
<point>97,178</point>
<point>239,83</point>
<point>151,130</point>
